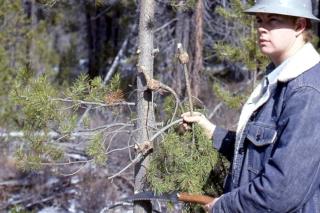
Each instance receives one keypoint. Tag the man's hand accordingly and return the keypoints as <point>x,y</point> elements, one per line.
<point>200,119</point>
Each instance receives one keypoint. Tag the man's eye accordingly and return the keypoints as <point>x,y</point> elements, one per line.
<point>274,20</point>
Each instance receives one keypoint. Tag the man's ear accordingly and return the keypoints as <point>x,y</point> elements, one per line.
<point>301,25</point>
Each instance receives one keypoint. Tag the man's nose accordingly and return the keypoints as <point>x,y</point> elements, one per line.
<point>261,29</point>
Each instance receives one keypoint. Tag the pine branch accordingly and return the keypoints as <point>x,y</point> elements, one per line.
<point>143,153</point>
<point>110,72</point>
<point>93,103</point>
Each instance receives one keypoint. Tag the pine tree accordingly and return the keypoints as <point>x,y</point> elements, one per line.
<point>243,49</point>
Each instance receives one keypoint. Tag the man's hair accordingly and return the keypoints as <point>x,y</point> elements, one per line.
<point>308,34</point>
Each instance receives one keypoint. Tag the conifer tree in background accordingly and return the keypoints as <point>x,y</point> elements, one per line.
<point>19,42</point>
<point>243,49</point>
<point>43,112</point>
<point>197,46</point>
<point>182,35</point>
<point>31,100</point>
<point>26,55</point>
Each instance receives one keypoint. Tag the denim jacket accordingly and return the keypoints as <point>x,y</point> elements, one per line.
<point>276,159</point>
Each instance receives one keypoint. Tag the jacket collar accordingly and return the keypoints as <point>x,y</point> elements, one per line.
<point>303,60</point>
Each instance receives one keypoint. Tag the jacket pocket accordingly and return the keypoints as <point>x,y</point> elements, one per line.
<point>260,140</point>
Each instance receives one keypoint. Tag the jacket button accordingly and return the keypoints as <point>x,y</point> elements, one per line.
<point>258,137</point>
<point>241,151</point>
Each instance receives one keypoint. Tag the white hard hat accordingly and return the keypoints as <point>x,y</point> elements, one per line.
<point>298,8</point>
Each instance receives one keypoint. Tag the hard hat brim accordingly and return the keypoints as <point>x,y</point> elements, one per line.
<point>266,9</point>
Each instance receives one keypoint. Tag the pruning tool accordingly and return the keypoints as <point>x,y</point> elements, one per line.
<point>174,197</point>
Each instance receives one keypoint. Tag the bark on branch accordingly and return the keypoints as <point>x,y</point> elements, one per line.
<point>157,86</point>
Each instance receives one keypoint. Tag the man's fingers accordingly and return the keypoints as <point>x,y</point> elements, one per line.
<point>195,117</point>
<point>193,114</point>
<point>190,119</point>
<point>186,126</point>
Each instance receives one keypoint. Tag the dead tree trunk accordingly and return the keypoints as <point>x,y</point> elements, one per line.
<point>198,47</point>
<point>145,111</point>
<point>32,57</point>
<point>182,32</point>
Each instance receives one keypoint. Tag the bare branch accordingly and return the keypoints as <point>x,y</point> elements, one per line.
<point>116,61</point>
<point>165,25</point>
<point>120,149</point>
<point>104,127</point>
<point>93,103</point>
<point>77,171</point>
<point>215,110</point>
<point>137,158</point>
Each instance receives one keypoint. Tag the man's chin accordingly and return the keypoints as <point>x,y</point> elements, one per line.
<point>266,51</point>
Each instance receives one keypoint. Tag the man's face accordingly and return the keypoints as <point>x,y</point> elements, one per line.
<point>276,34</point>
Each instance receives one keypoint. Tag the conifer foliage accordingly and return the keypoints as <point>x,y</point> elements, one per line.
<point>242,49</point>
<point>44,111</point>
<point>180,165</point>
